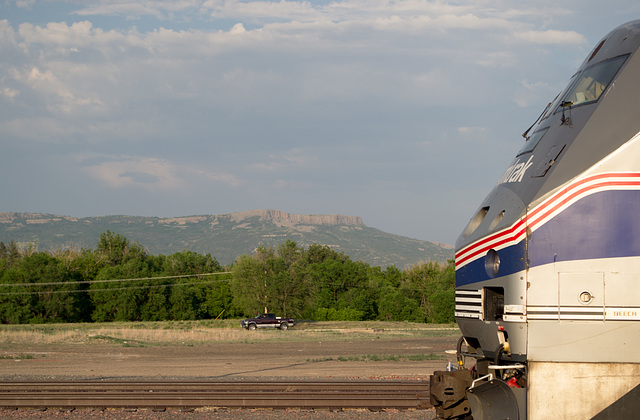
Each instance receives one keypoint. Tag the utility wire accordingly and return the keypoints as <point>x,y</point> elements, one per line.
<point>110,280</point>
<point>111,289</point>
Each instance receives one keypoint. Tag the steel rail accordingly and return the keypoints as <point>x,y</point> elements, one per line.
<point>245,394</point>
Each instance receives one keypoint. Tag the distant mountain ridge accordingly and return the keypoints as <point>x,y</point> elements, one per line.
<point>224,236</point>
<point>280,218</point>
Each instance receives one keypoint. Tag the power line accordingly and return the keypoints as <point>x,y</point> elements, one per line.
<point>110,280</point>
<point>113,289</point>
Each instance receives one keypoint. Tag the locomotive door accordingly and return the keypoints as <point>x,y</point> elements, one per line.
<point>581,296</point>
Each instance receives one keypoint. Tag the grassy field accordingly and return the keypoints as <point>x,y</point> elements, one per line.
<point>206,331</point>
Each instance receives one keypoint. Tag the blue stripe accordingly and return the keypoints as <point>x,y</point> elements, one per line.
<point>601,225</point>
<point>512,260</point>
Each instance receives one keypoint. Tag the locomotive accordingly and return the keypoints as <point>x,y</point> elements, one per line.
<point>548,268</point>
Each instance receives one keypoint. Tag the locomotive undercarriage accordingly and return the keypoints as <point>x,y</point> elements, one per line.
<point>558,360</point>
<point>489,388</point>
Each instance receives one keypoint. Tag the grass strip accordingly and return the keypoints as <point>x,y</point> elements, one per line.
<point>382,357</point>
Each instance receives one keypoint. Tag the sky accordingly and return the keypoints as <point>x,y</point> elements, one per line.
<point>405,112</point>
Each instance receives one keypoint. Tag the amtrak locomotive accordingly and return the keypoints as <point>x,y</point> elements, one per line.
<point>548,268</point>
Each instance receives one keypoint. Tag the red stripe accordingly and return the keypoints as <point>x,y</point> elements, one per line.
<point>578,193</point>
<point>486,248</point>
<point>546,208</point>
<point>492,238</point>
<point>578,184</point>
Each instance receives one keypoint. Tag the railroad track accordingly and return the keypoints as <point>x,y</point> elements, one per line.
<point>192,394</point>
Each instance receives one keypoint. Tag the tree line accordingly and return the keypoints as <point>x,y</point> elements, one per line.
<point>120,281</point>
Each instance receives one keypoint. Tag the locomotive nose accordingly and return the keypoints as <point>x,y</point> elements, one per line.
<point>492,245</point>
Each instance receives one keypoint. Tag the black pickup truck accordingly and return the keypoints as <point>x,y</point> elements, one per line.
<point>267,321</point>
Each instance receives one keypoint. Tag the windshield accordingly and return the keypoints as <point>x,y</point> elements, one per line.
<point>532,141</point>
<point>553,106</point>
<point>592,83</point>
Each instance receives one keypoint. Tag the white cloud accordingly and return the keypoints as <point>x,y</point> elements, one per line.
<point>255,98</point>
<point>259,9</point>
<point>291,160</point>
<point>299,54</point>
<point>471,130</point>
<point>25,4</point>
<point>58,95</point>
<point>533,92</point>
<point>9,93</point>
<point>238,28</point>
<point>66,36</point>
<point>152,174</point>
<point>217,177</point>
<point>7,34</point>
<point>129,171</point>
<point>37,130</point>
<point>159,9</point>
<point>498,59</point>
<point>550,37</point>
<point>290,185</point>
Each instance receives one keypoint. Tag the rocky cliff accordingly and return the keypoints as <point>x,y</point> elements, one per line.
<point>277,217</point>
<point>225,236</point>
<point>281,218</point>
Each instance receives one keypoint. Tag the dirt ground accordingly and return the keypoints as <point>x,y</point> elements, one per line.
<point>218,361</point>
<point>229,361</point>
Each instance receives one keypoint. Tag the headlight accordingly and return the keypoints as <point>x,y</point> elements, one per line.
<point>492,263</point>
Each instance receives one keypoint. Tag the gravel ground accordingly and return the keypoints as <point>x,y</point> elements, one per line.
<point>225,361</point>
<point>236,414</point>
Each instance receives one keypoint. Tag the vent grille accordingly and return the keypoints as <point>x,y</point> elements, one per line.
<point>469,304</point>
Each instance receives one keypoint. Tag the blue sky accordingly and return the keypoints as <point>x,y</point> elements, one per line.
<point>402,112</point>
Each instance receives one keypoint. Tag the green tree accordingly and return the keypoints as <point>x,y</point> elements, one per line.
<point>274,280</point>
<point>4,253</point>
<point>116,249</point>
<point>219,300</point>
<point>189,262</point>
<point>156,305</point>
<point>187,301</point>
<point>433,287</point>
<point>84,262</point>
<point>83,265</point>
<point>396,305</point>
<point>288,279</point>
<point>15,301</point>
<point>57,302</point>
<point>343,284</point>
<point>442,301</point>
<point>121,300</point>
<point>47,291</point>
<point>127,284</point>
<point>13,251</point>
<point>249,286</point>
